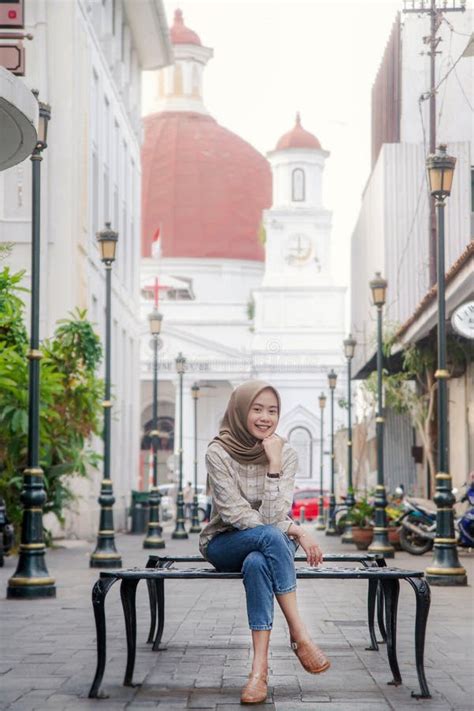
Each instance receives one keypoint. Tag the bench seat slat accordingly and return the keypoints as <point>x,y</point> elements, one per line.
<point>328,558</point>
<point>301,572</point>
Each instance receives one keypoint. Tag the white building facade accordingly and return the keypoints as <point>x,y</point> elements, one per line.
<point>392,235</point>
<point>299,309</point>
<point>234,309</point>
<point>86,60</point>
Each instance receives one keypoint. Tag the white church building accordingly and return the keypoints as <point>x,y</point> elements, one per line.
<point>243,271</point>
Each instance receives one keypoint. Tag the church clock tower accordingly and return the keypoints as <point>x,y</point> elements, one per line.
<point>298,307</point>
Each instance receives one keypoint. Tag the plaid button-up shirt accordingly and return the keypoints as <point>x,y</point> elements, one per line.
<point>244,497</point>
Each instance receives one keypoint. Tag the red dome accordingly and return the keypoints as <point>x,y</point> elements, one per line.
<point>180,34</point>
<point>298,138</point>
<point>204,188</point>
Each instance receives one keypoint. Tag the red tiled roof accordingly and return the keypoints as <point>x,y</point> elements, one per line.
<point>431,295</point>
<point>180,34</point>
<point>203,186</point>
<point>298,137</point>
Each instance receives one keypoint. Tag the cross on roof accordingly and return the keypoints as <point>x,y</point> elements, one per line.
<point>155,289</point>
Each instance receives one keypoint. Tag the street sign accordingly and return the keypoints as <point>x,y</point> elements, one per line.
<point>12,56</point>
<point>12,14</point>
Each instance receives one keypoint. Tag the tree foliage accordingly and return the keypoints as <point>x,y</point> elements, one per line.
<point>70,402</point>
<point>412,390</point>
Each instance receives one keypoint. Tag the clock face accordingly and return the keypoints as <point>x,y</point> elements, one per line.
<point>298,250</point>
<point>463,319</point>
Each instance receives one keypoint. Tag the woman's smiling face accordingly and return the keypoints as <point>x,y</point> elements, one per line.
<point>263,415</point>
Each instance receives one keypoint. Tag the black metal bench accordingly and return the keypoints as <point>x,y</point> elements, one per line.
<point>156,590</point>
<point>376,575</point>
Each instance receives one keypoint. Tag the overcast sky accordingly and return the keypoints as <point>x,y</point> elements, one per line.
<point>320,57</point>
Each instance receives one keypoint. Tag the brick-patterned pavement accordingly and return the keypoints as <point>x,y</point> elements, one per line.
<point>47,648</point>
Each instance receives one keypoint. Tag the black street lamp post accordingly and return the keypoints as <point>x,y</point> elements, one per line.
<point>380,543</point>
<point>320,522</point>
<point>349,348</point>
<point>195,527</point>
<point>331,519</point>
<point>106,554</point>
<point>445,568</point>
<point>153,537</point>
<point>180,531</point>
<point>31,578</point>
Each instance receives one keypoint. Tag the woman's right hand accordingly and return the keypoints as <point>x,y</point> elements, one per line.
<point>313,552</point>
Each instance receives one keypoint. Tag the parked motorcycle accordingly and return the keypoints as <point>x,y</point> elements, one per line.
<point>418,527</point>
<point>6,532</point>
<point>418,524</point>
<point>465,524</point>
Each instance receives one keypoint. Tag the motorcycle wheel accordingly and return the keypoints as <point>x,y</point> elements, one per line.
<point>411,543</point>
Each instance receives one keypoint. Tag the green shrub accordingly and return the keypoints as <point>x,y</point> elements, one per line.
<point>70,402</point>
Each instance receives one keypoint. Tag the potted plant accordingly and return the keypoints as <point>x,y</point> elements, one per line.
<point>361,517</point>
<point>394,511</point>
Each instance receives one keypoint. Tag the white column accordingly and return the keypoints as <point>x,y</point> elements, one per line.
<point>188,431</point>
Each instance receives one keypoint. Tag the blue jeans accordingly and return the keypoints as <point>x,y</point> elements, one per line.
<point>265,555</point>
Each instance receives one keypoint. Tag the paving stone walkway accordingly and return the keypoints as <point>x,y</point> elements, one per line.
<point>47,647</point>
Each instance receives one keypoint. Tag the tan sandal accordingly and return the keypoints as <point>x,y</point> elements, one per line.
<point>312,658</point>
<point>256,690</point>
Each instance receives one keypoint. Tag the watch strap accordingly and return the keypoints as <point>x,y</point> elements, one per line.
<point>272,475</point>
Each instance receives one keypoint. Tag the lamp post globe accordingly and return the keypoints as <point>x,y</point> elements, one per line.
<point>43,124</point>
<point>331,517</point>
<point>107,240</point>
<point>155,320</point>
<point>105,554</point>
<point>445,568</point>
<point>153,538</point>
<point>195,527</point>
<point>349,344</point>
<point>180,532</point>
<point>380,542</point>
<point>31,578</point>
<point>320,522</point>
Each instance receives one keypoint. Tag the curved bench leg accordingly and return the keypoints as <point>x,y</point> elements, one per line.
<point>128,591</point>
<point>423,601</point>
<point>381,563</point>
<point>153,602</point>
<point>371,615</point>
<point>99,592</point>
<point>391,589</point>
<point>380,614</point>
<point>160,596</point>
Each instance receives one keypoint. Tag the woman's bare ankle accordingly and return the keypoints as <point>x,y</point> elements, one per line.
<point>260,667</point>
<point>299,634</point>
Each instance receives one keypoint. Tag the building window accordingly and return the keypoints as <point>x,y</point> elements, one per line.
<point>106,194</point>
<point>298,187</point>
<point>178,80</point>
<point>166,437</point>
<point>95,192</point>
<point>301,440</point>
<point>196,82</point>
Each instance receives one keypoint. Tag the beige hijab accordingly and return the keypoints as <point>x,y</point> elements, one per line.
<point>233,434</point>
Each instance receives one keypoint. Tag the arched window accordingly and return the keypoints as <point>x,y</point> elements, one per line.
<point>178,80</point>
<point>301,440</point>
<point>195,82</point>
<point>166,438</point>
<point>298,187</point>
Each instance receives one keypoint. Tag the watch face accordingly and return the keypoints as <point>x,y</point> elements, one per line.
<point>298,250</point>
<point>463,319</point>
